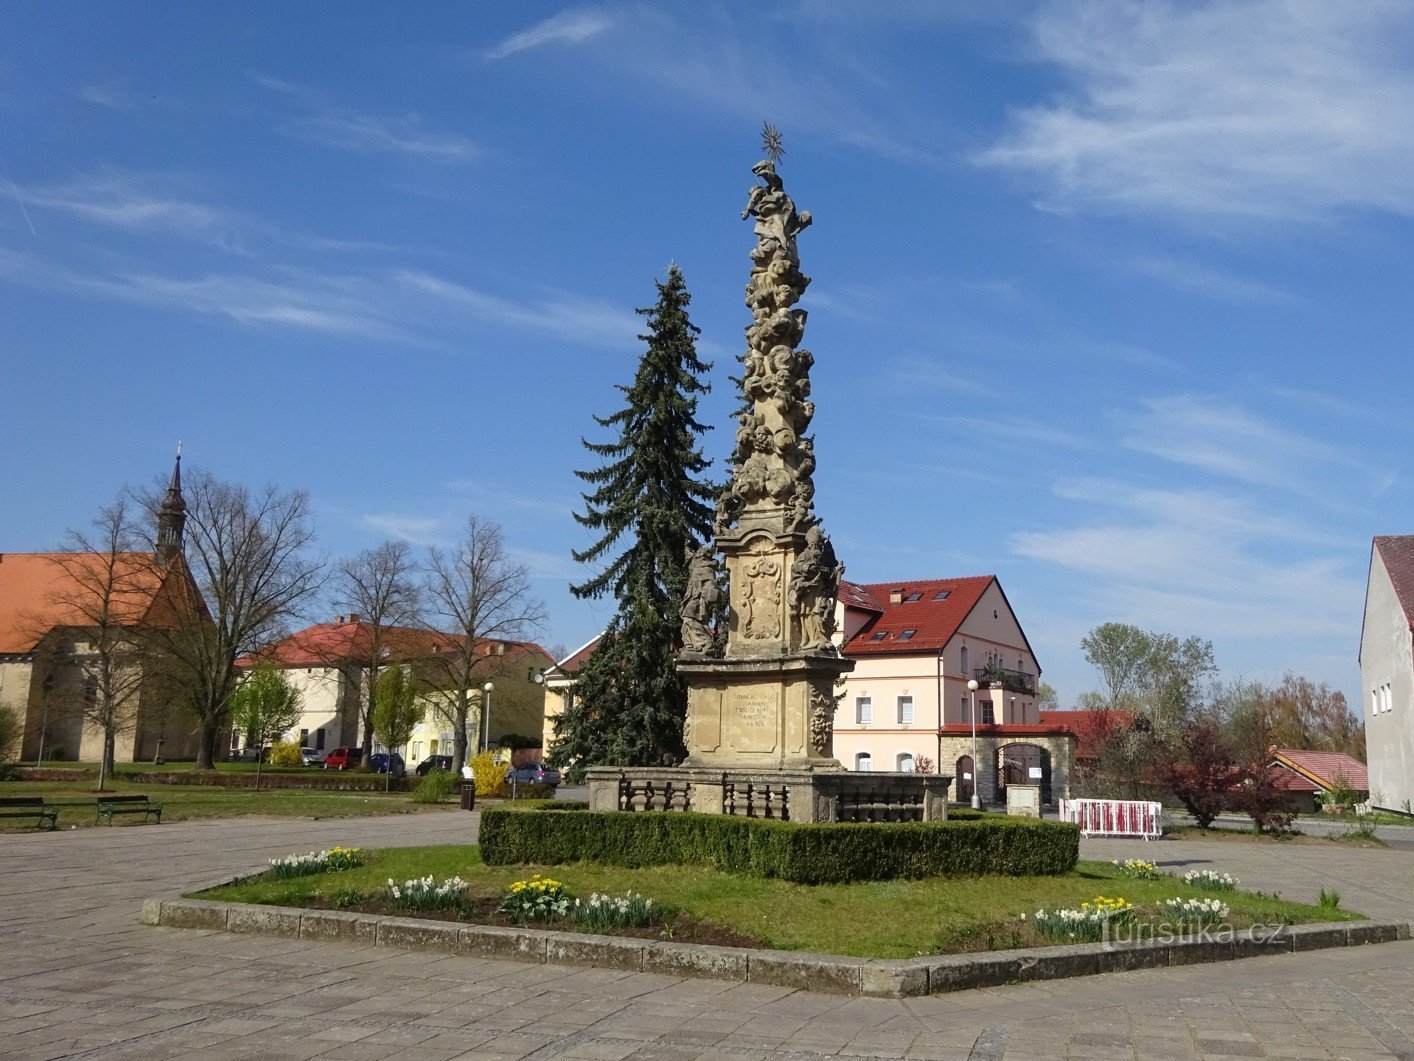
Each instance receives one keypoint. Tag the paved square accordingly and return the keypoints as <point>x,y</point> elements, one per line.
<point>79,977</point>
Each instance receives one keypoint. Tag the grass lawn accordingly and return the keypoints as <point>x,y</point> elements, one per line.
<point>182,803</point>
<point>880,919</point>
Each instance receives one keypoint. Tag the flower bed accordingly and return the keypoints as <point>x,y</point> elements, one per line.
<point>1210,881</point>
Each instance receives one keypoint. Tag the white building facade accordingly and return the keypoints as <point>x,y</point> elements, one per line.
<point>1387,672</point>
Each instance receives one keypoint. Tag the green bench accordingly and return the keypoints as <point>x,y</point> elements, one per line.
<point>111,805</point>
<point>45,816</point>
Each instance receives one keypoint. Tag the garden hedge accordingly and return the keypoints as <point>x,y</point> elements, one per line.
<point>806,854</point>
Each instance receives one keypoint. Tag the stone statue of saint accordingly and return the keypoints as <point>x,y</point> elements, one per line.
<point>699,601</point>
<point>814,583</point>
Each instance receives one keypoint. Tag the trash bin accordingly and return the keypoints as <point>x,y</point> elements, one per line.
<point>468,797</point>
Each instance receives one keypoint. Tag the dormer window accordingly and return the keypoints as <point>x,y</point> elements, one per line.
<point>878,635</point>
<point>942,594</point>
<point>916,595</point>
<point>906,635</point>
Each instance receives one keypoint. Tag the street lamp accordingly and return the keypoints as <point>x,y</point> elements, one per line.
<point>972,694</point>
<point>486,721</point>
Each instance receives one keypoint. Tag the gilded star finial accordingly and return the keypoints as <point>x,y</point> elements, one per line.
<point>771,142</point>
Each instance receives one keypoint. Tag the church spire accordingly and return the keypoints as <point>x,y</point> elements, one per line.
<point>172,517</point>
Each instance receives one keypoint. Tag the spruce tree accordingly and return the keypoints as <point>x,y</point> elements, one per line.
<point>650,506</point>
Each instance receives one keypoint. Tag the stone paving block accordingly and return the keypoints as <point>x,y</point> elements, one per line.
<point>1361,932</point>
<point>893,979</point>
<point>604,952</point>
<point>695,959</point>
<point>409,933</point>
<point>193,913</point>
<point>263,921</point>
<point>489,941</point>
<point>804,971</point>
<point>336,925</point>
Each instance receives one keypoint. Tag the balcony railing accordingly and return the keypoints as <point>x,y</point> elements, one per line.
<point>1016,681</point>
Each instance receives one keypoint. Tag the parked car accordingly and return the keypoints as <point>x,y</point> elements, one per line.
<point>343,758</point>
<point>534,774</point>
<point>311,756</point>
<point>382,762</point>
<point>250,755</point>
<point>434,762</point>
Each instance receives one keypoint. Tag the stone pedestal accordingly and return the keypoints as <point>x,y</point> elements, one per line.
<point>802,796</point>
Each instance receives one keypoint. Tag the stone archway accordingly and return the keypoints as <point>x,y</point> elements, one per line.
<point>1023,764</point>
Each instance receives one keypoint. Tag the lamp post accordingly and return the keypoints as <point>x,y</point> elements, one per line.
<point>486,719</point>
<point>972,694</point>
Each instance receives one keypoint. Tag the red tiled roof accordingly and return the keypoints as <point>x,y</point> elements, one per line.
<point>1091,728</point>
<point>933,621</point>
<point>1397,552</point>
<point>1004,729</point>
<point>41,591</point>
<point>1324,768</point>
<point>571,663</point>
<point>1287,780</point>
<point>327,644</point>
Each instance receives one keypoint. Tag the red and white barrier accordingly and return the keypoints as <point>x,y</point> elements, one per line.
<point>1114,817</point>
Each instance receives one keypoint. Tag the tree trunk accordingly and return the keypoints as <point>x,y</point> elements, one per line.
<point>459,757</point>
<point>206,747</point>
<point>259,756</point>
<point>105,759</point>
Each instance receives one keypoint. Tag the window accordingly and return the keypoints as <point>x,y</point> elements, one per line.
<point>864,762</point>
<point>304,738</point>
<point>985,717</point>
<point>319,739</point>
<point>916,595</point>
<point>903,762</point>
<point>878,635</point>
<point>942,594</point>
<point>964,661</point>
<point>905,710</point>
<point>907,635</point>
<point>863,710</point>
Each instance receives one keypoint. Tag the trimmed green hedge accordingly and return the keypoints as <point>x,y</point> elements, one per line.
<point>806,854</point>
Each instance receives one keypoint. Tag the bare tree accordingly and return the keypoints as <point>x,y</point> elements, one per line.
<point>378,587</point>
<point>475,593</point>
<point>248,552</point>
<point>106,591</point>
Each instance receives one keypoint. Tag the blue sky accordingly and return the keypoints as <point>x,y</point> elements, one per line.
<point>1109,300</point>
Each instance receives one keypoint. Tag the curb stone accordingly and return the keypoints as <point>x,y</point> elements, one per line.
<point>832,973</point>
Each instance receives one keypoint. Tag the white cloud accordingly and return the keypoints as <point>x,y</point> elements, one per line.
<point>574,26</point>
<point>138,203</point>
<point>563,315</point>
<point>1271,109</point>
<point>1216,436</point>
<point>331,125</point>
<point>419,530</point>
<point>1198,279</point>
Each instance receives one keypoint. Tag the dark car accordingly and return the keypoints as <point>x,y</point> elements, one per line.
<point>534,774</point>
<point>434,762</point>
<point>382,762</point>
<point>343,758</point>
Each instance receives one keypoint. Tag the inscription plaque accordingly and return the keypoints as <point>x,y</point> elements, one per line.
<point>752,720</point>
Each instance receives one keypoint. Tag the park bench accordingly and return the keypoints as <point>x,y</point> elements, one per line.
<point>111,805</point>
<point>34,807</point>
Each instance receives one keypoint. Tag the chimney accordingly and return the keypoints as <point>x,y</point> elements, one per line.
<point>896,595</point>
<point>338,619</point>
<point>353,617</point>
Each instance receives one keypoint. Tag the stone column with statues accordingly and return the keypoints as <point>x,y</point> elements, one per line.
<point>768,702</point>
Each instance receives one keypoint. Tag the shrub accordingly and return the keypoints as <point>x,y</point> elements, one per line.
<point>488,774</point>
<point>806,854</point>
<point>600,913</point>
<point>435,787</point>
<point>286,753</point>
<point>536,899</point>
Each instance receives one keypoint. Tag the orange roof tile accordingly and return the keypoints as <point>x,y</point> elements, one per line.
<point>326,644</point>
<point>1397,552</point>
<point>41,591</point>
<point>1091,728</point>
<point>941,607</point>
<point>1325,768</point>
